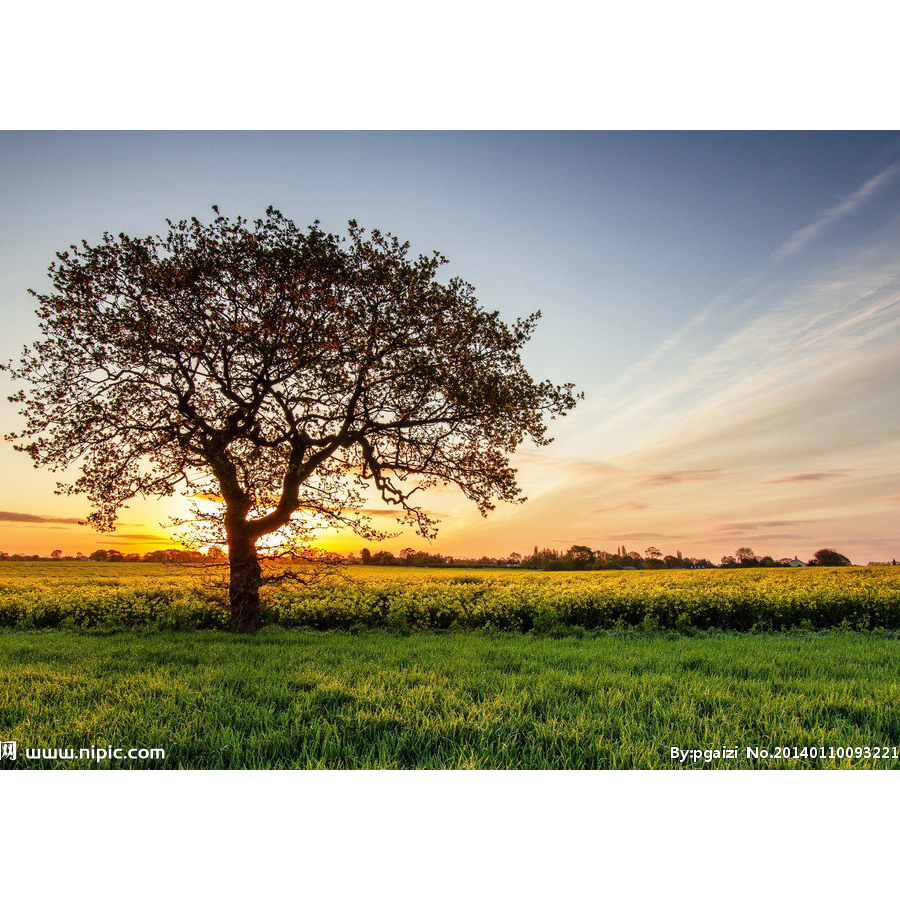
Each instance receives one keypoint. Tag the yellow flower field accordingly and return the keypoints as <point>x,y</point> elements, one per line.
<point>87,595</point>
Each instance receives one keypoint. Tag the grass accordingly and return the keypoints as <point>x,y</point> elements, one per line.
<point>306,699</point>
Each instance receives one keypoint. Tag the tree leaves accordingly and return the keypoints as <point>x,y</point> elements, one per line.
<point>279,369</point>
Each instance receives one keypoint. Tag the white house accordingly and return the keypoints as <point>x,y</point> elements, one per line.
<point>796,562</point>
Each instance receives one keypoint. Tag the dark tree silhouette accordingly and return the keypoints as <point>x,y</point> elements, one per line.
<point>829,557</point>
<point>280,372</point>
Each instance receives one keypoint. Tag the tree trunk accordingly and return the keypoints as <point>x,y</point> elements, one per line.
<point>243,587</point>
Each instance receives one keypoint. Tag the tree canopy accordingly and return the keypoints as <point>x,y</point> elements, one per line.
<point>283,373</point>
<point>829,557</point>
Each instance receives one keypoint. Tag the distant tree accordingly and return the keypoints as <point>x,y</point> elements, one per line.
<point>636,559</point>
<point>55,554</point>
<point>546,559</point>
<point>384,558</point>
<point>653,553</point>
<point>99,556</point>
<point>829,557</point>
<point>673,562</point>
<point>727,561</point>
<point>579,556</point>
<point>653,563</point>
<point>154,556</point>
<point>365,556</point>
<point>280,373</point>
<point>745,556</point>
<point>768,562</point>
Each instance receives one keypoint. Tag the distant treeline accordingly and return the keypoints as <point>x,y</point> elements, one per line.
<point>410,557</point>
<point>169,555</point>
<point>576,558</point>
<point>580,557</point>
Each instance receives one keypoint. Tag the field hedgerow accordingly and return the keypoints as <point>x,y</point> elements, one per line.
<point>140,595</point>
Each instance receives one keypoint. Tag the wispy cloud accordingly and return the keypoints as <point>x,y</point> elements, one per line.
<point>31,518</point>
<point>857,306</point>
<point>811,476</point>
<point>397,513</point>
<point>825,353</point>
<point>628,506</point>
<point>664,479</point>
<point>800,239</point>
<point>138,538</point>
<point>574,465</point>
<point>742,527</point>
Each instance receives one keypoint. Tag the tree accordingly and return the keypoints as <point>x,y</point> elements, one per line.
<point>579,557</point>
<point>653,553</point>
<point>384,558</point>
<point>745,556</point>
<point>829,557</point>
<point>365,556</point>
<point>275,372</point>
<point>55,554</point>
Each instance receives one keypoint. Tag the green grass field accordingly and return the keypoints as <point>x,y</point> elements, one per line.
<point>400,695</point>
<point>307,699</point>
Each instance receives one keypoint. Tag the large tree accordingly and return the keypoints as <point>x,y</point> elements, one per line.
<point>283,374</point>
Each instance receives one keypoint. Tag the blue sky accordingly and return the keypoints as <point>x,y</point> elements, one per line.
<point>728,302</point>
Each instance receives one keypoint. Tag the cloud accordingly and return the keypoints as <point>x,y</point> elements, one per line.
<point>576,465</point>
<point>767,362</point>
<point>630,506</point>
<point>891,498</point>
<point>799,239</point>
<point>397,513</point>
<point>740,527</point>
<point>31,518</point>
<point>663,479</point>
<point>142,538</point>
<point>821,475</point>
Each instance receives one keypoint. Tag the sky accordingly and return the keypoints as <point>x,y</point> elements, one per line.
<point>728,302</point>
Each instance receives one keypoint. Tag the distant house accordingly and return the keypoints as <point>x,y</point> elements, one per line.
<point>796,563</point>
